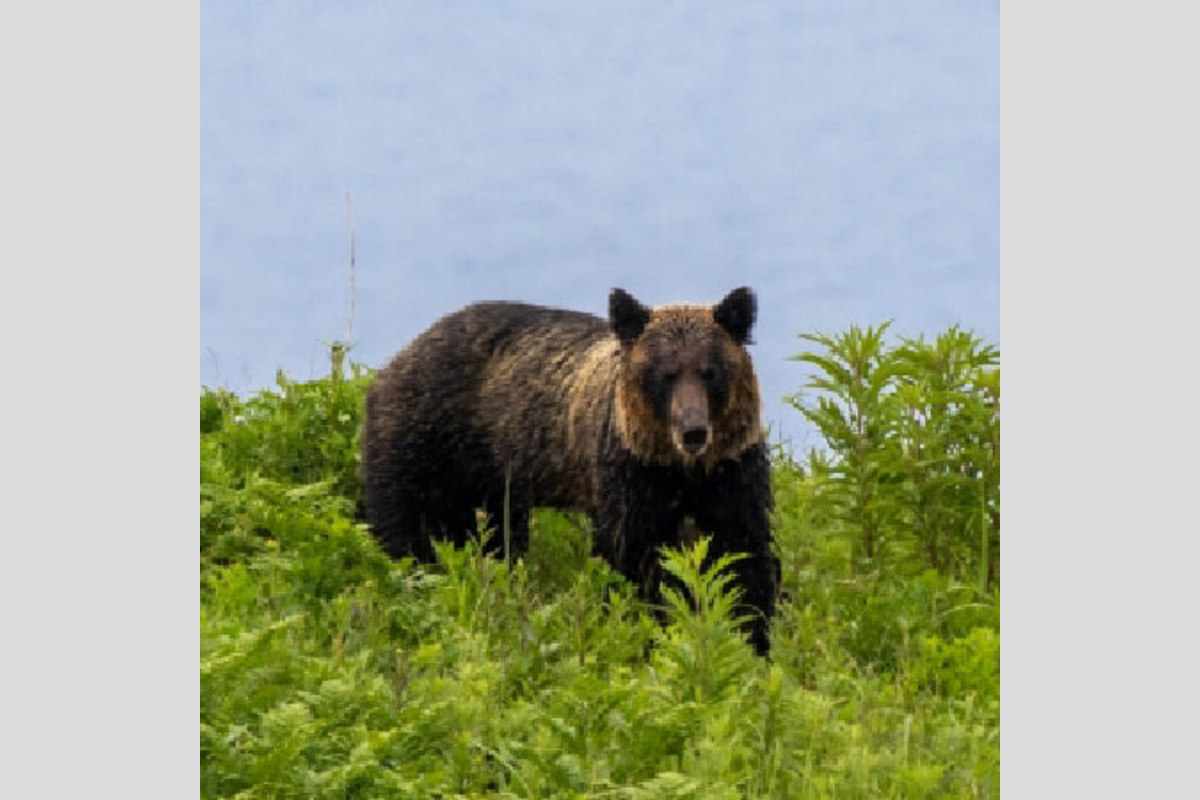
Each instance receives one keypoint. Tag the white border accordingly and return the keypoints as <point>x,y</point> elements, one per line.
<point>1099,172</point>
<point>101,322</point>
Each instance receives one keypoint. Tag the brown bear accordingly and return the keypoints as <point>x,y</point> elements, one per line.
<point>648,423</point>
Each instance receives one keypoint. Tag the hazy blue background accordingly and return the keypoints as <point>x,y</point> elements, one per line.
<point>840,157</point>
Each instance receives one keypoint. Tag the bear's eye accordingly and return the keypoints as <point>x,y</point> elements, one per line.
<point>707,375</point>
<point>671,375</point>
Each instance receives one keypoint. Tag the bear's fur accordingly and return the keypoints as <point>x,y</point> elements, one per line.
<point>648,422</point>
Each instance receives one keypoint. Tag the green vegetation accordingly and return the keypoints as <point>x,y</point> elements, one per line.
<point>328,670</point>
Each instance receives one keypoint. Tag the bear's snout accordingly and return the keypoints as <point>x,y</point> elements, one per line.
<point>691,431</point>
<point>689,417</point>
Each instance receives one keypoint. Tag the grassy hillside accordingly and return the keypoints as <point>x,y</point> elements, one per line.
<point>329,671</point>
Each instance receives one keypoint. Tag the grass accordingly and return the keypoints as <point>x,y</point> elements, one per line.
<point>327,670</point>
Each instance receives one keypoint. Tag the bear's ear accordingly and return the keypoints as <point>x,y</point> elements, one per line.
<point>736,313</point>
<point>627,316</point>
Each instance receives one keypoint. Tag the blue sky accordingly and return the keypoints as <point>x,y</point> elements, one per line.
<point>842,158</point>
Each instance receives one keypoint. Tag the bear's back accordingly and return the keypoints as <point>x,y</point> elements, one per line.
<point>466,341</point>
<point>494,386</point>
<point>492,324</point>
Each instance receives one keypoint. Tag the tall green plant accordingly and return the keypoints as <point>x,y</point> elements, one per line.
<point>949,423</point>
<point>703,644</point>
<point>915,435</point>
<point>857,420</point>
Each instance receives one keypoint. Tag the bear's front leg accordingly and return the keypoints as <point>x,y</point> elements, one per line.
<point>640,510</point>
<point>733,505</point>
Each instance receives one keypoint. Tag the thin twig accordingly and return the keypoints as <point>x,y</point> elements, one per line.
<point>350,227</point>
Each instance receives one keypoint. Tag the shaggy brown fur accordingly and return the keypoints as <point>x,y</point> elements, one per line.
<point>678,340</point>
<point>641,430</point>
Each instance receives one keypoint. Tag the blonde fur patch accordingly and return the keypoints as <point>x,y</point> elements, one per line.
<point>587,392</point>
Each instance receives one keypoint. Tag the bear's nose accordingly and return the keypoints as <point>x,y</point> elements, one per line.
<point>695,438</point>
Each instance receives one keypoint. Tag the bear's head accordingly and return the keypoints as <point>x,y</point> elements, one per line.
<point>686,389</point>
